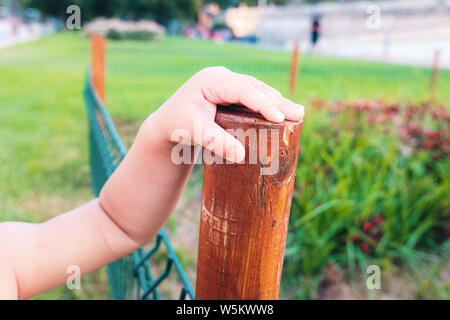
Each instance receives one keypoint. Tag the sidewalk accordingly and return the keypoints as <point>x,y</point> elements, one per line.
<point>24,33</point>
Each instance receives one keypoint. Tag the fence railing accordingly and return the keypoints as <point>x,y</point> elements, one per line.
<point>131,277</point>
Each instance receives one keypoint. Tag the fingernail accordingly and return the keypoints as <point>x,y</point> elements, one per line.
<point>279,116</point>
<point>278,94</point>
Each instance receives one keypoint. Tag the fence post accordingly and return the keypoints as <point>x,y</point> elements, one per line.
<point>293,74</point>
<point>245,214</point>
<point>98,65</point>
<point>434,76</point>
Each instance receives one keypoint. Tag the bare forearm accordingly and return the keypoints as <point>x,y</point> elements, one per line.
<point>41,253</point>
<point>140,195</point>
<point>133,206</point>
<point>144,189</point>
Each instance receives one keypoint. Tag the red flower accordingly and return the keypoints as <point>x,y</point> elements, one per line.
<point>364,247</point>
<point>378,219</point>
<point>428,144</point>
<point>393,108</point>
<point>414,128</point>
<point>360,105</point>
<point>433,135</point>
<point>367,226</point>
<point>440,113</point>
<point>317,103</point>
<point>355,238</point>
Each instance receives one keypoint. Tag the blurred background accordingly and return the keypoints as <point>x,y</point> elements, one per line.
<point>372,183</point>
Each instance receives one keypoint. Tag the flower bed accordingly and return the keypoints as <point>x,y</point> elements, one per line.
<point>117,29</point>
<point>372,187</point>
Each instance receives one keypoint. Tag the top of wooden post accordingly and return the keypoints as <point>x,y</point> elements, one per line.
<point>243,115</point>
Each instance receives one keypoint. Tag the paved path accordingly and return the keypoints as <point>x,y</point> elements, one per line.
<point>24,33</point>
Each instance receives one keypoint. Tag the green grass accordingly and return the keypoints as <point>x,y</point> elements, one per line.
<point>350,171</point>
<point>43,128</point>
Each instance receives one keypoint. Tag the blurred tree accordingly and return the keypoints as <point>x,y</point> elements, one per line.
<point>234,3</point>
<point>161,11</point>
<point>106,8</point>
<point>56,8</point>
<point>223,4</point>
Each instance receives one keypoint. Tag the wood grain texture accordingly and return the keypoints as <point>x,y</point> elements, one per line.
<point>98,65</point>
<point>244,215</point>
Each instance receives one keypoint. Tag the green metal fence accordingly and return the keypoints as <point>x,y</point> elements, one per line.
<point>130,277</point>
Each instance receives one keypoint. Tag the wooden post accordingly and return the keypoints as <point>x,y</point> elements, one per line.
<point>245,214</point>
<point>434,76</point>
<point>98,65</point>
<point>294,70</point>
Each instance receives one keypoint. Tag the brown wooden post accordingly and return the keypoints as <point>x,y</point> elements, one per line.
<point>294,70</point>
<point>434,76</point>
<point>98,65</point>
<point>245,214</point>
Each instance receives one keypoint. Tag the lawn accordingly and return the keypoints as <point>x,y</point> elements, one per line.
<point>43,127</point>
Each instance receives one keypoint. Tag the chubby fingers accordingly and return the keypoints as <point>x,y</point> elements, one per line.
<point>217,140</point>
<point>290,110</point>
<point>222,86</point>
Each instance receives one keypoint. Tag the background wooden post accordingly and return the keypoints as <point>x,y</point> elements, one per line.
<point>294,70</point>
<point>98,65</point>
<point>245,214</point>
<point>434,76</point>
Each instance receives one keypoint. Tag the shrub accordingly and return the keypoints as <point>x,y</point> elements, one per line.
<point>372,187</point>
<point>125,30</point>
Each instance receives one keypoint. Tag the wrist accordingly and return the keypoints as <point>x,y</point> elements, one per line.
<point>152,135</point>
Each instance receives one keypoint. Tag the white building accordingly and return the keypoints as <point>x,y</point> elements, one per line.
<point>398,31</point>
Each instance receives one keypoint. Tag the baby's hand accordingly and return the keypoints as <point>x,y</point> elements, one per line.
<point>138,198</point>
<point>196,101</point>
<point>145,188</point>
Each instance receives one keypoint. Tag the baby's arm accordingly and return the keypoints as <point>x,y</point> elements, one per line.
<point>138,198</point>
<point>37,256</point>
